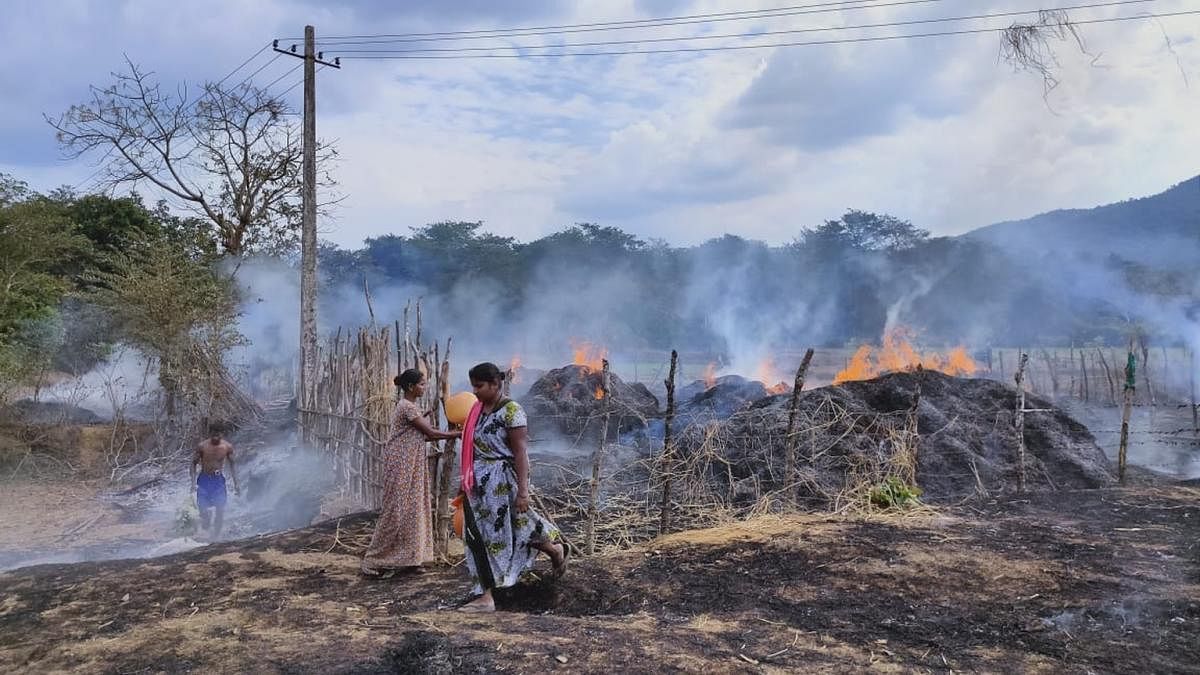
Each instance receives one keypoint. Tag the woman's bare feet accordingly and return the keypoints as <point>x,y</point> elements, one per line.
<point>480,605</point>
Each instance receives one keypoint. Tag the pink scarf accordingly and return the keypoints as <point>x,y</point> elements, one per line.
<point>467,470</point>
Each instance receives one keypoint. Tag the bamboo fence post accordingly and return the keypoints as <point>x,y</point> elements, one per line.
<point>1020,420</point>
<point>1050,366</point>
<point>1192,386</point>
<point>914,432</point>
<point>1112,386</point>
<point>664,521</point>
<point>1085,387</point>
<point>597,461</point>
<point>1071,372</point>
<point>444,515</point>
<point>1146,371</point>
<point>793,410</point>
<point>1130,390</point>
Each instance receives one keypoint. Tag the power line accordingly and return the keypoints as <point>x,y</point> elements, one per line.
<point>718,48</point>
<point>889,24</point>
<point>745,15</point>
<point>244,63</point>
<point>289,72</point>
<point>260,69</point>
<point>297,83</point>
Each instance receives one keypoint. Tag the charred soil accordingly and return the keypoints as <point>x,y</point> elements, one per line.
<point>1075,581</point>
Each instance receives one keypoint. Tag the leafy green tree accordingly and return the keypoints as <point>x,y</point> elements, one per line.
<point>174,308</point>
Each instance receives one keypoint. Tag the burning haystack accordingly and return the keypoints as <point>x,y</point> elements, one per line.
<point>571,400</point>
<point>965,443</point>
<point>718,398</point>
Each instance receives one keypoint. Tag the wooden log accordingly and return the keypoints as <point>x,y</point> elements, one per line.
<point>790,477</point>
<point>668,463</point>
<point>1020,420</point>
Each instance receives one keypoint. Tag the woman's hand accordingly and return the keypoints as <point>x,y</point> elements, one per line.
<point>522,502</point>
<point>455,433</point>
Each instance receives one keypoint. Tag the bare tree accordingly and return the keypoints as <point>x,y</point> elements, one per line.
<point>233,156</point>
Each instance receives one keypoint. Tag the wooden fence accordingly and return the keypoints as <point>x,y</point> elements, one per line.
<point>352,401</point>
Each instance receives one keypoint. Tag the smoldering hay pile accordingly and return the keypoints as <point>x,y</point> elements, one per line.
<point>965,440</point>
<point>571,401</point>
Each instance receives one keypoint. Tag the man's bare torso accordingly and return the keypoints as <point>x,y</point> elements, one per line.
<point>212,457</point>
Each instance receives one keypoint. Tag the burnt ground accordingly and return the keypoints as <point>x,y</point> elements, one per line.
<point>1075,581</point>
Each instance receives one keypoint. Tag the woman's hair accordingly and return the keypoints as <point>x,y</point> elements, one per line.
<point>408,379</point>
<point>486,372</point>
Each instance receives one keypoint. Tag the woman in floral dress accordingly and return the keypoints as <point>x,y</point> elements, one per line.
<point>403,538</point>
<point>502,534</point>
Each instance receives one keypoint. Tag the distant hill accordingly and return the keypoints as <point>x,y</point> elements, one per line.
<point>1160,230</point>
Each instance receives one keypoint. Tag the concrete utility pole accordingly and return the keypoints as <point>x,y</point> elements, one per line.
<point>308,221</point>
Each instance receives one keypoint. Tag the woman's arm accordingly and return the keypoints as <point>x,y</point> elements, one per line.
<point>431,433</point>
<point>518,442</point>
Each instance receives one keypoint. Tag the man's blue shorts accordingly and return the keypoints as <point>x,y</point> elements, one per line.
<point>210,491</point>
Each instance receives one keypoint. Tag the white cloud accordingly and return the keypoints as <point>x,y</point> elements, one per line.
<point>685,146</point>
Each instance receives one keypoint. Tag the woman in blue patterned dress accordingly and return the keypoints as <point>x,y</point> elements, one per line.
<point>503,535</point>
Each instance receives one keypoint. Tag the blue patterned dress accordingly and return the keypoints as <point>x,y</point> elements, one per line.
<point>499,539</point>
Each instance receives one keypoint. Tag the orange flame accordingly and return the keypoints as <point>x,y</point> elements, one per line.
<point>898,354</point>
<point>588,355</point>
<point>710,376</point>
<point>599,393</point>
<point>766,374</point>
<point>514,367</point>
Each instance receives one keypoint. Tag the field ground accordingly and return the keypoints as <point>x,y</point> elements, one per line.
<point>1084,581</point>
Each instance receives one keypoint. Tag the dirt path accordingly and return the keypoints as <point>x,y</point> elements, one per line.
<point>1101,581</point>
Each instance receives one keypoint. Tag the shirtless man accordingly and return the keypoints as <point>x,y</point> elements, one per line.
<point>209,487</point>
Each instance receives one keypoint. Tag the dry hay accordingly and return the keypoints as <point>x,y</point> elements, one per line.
<point>569,398</point>
<point>960,441</point>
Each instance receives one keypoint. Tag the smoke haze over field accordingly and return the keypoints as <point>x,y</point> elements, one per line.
<point>742,301</point>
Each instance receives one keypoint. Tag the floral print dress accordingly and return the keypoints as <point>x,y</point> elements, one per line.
<point>404,532</point>
<point>498,538</point>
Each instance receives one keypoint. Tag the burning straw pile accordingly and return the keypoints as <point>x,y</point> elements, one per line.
<point>862,446</point>
<point>574,395</point>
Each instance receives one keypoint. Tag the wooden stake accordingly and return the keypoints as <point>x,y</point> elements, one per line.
<point>1112,386</point>
<point>1146,370</point>
<point>914,431</point>
<point>668,467</point>
<point>1192,380</point>
<point>598,460</point>
<point>1130,390</point>
<point>1020,421</point>
<point>793,409</point>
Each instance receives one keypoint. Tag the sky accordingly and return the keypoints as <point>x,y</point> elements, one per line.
<point>683,146</point>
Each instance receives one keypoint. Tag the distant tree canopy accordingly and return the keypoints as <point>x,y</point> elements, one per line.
<point>79,273</point>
